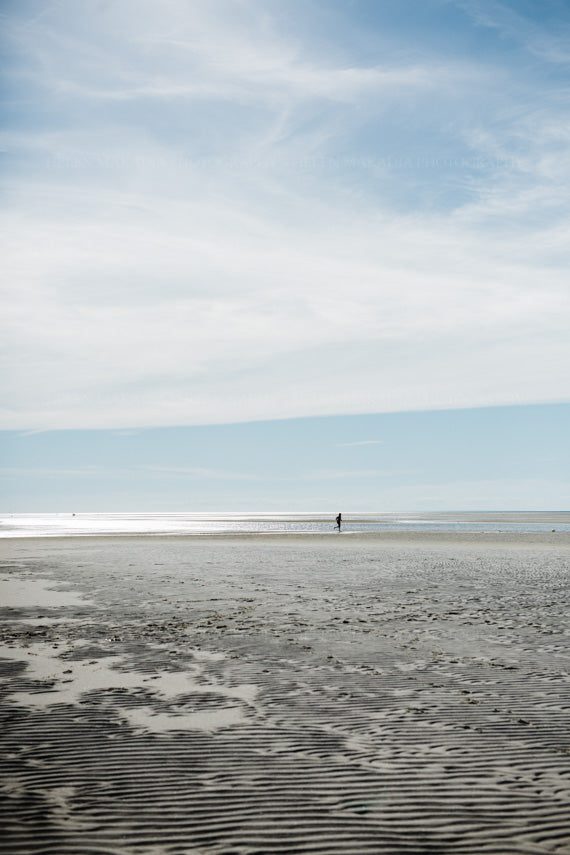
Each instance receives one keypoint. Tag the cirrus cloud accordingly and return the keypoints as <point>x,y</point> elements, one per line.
<point>211,219</point>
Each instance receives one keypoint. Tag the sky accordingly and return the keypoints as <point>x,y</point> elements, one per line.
<point>251,217</point>
<point>495,458</point>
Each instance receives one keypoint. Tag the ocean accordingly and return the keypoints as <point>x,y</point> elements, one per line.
<point>101,524</point>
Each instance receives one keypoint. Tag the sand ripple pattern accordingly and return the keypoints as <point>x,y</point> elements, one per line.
<point>250,698</point>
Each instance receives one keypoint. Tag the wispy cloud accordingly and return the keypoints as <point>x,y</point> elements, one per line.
<point>203,473</point>
<point>59,471</point>
<point>546,34</point>
<point>198,51</point>
<point>106,472</point>
<point>354,474</point>
<point>492,493</point>
<point>211,217</point>
<point>361,442</point>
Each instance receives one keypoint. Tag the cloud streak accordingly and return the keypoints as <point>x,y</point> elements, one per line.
<point>361,442</point>
<point>214,218</point>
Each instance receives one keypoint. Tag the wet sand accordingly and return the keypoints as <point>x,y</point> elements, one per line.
<point>377,693</point>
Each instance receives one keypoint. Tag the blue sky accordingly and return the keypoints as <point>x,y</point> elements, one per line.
<point>495,458</point>
<point>241,212</point>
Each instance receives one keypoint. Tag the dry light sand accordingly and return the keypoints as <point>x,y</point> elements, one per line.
<point>383,693</point>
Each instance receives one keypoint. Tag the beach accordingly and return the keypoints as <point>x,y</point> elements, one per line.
<point>393,692</point>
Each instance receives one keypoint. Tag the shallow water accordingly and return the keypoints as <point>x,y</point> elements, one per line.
<point>68,524</point>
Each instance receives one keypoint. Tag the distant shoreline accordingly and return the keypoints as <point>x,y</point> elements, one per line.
<point>262,524</point>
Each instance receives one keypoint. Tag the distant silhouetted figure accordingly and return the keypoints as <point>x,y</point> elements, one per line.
<point>338,521</point>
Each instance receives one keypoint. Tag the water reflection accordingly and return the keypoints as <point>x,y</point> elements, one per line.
<point>58,525</point>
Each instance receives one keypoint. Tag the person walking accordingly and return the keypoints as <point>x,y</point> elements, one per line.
<point>338,521</point>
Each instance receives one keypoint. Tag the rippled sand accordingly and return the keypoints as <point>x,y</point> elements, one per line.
<point>332,694</point>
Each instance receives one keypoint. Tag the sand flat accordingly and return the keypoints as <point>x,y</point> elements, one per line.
<point>394,692</point>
